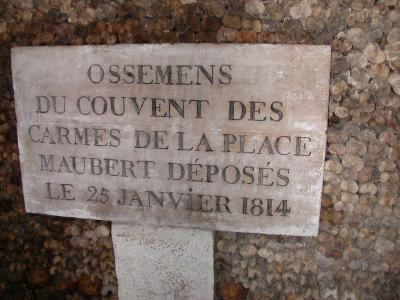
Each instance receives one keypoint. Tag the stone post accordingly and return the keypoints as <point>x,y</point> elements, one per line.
<point>164,263</point>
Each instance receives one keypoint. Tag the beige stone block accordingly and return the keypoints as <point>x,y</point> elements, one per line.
<point>219,137</point>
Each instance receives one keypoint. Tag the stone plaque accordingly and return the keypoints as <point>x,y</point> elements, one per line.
<point>220,137</point>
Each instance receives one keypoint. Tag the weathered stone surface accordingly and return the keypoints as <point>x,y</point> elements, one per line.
<point>121,149</point>
<point>163,263</point>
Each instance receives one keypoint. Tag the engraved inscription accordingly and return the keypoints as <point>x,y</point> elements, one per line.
<point>222,137</point>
